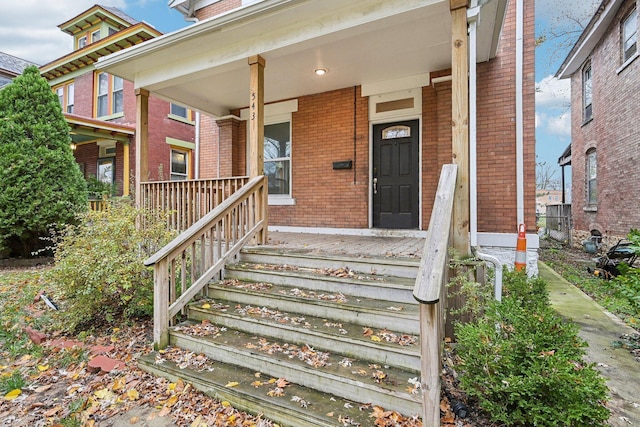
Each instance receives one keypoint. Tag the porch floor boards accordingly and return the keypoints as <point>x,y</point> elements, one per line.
<point>348,245</point>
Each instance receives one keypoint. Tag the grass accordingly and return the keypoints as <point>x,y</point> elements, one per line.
<point>602,291</point>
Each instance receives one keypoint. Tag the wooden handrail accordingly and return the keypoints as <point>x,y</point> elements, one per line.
<point>188,201</point>
<point>429,290</point>
<point>183,267</point>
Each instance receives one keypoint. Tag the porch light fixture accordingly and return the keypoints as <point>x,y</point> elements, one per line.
<point>320,71</point>
<point>73,146</point>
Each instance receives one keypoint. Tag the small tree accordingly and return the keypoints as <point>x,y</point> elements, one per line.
<point>40,181</point>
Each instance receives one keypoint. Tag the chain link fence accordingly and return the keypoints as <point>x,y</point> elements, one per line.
<point>556,223</point>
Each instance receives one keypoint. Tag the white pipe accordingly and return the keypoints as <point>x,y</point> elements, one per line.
<point>197,141</point>
<point>473,15</point>
<point>519,114</point>
<point>497,267</point>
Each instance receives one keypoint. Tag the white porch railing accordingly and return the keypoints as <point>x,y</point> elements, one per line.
<point>184,267</point>
<point>429,290</point>
<point>188,201</point>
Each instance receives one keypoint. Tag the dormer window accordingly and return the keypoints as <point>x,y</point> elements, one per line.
<point>82,42</point>
<point>95,36</point>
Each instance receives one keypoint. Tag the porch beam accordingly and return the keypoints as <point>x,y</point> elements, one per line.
<point>460,124</point>
<point>256,116</point>
<point>142,141</point>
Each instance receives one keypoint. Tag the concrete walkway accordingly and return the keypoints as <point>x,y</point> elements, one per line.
<point>600,329</point>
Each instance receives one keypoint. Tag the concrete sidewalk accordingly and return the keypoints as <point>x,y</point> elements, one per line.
<point>600,329</point>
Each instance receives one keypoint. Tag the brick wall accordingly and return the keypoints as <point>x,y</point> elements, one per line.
<point>614,134</point>
<point>217,8</point>
<point>323,132</point>
<point>497,131</point>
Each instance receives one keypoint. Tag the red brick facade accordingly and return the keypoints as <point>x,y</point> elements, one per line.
<point>613,133</point>
<point>335,126</point>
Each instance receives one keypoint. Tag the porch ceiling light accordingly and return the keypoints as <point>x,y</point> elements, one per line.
<point>320,71</point>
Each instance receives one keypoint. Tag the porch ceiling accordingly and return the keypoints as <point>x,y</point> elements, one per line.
<point>204,66</point>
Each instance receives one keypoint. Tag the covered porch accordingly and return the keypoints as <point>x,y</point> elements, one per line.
<point>261,64</point>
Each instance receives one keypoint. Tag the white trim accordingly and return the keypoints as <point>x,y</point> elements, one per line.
<point>395,115</point>
<point>274,109</point>
<point>395,85</point>
<point>280,200</point>
<point>371,232</point>
<point>507,240</point>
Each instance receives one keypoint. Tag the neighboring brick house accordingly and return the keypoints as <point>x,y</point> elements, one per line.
<point>605,136</point>
<point>101,108</point>
<point>11,67</point>
<point>348,87</point>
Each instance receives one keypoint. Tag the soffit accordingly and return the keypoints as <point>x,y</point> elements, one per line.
<point>92,52</point>
<point>204,66</point>
<point>87,129</point>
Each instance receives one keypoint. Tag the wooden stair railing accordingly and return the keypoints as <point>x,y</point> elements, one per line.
<point>188,201</point>
<point>185,266</point>
<point>429,290</point>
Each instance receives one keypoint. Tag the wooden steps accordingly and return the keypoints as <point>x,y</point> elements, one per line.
<point>336,330</point>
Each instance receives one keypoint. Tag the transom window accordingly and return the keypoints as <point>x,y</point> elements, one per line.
<point>629,35</point>
<point>109,95</point>
<point>587,92</point>
<point>591,177</point>
<point>178,110</point>
<point>179,165</point>
<point>277,157</point>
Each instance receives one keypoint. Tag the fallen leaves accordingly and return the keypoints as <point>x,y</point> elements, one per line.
<point>388,336</point>
<point>13,394</point>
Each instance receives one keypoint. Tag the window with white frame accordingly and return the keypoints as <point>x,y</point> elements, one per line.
<point>71,94</point>
<point>587,92</point>
<point>179,111</point>
<point>277,158</point>
<point>109,95</point>
<point>66,96</point>
<point>82,42</point>
<point>95,36</point>
<point>629,35</point>
<point>591,178</point>
<point>179,165</point>
<point>60,94</point>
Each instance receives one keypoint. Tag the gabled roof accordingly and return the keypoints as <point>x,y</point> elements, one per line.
<point>13,65</point>
<point>95,14</point>
<point>590,37</point>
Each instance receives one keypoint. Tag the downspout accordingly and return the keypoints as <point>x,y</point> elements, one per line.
<point>473,15</point>
<point>519,114</point>
<point>191,17</point>
<point>197,141</point>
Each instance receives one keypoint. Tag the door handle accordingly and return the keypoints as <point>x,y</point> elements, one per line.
<point>375,185</point>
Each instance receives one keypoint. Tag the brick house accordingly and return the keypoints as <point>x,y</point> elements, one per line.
<point>11,67</point>
<point>605,78</point>
<point>101,108</point>
<point>360,102</point>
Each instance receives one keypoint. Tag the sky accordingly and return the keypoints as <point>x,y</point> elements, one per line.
<point>29,30</point>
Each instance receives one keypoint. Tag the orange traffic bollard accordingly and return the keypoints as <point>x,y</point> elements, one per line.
<point>521,249</point>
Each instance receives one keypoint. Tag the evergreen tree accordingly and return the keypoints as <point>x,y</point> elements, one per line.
<point>40,182</point>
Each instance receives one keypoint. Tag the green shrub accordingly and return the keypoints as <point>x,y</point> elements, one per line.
<point>627,285</point>
<point>40,181</point>
<point>99,273</point>
<point>524,365</point>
